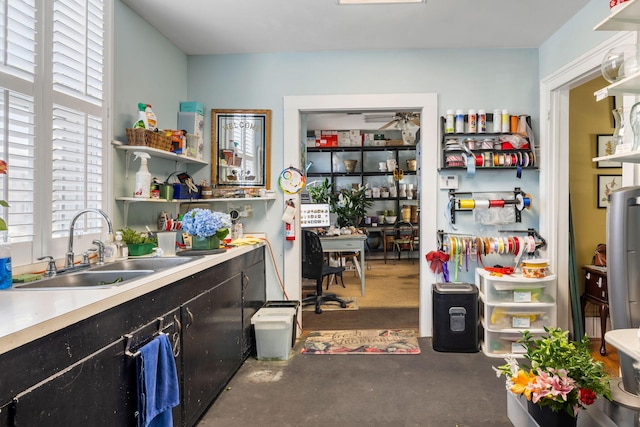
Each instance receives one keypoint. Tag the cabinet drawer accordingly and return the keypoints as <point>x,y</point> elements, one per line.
<point>518,318</point>
<point>596,285</point>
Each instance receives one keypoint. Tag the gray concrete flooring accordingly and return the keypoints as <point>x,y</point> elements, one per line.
<point>429,389</point>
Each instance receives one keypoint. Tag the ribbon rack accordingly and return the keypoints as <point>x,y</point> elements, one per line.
<point>519,202</point>
<point>468,244</point>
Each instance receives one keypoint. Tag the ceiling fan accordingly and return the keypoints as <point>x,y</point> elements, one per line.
<point>401,120</point>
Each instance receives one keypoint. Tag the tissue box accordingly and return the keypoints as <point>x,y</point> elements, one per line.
<point>192,107</point>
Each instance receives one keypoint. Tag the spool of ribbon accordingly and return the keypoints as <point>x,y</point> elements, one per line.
<point>467,203</point>
<point>482,204</point>
<point>496,203</point>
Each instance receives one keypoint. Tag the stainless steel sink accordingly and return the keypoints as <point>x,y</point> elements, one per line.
<point>155,264</point>
<point>86,279</point>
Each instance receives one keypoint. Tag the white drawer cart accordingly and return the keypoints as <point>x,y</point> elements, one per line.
<point>510,304</point>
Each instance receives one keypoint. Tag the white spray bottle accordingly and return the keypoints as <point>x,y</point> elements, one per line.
<point>143,177</point>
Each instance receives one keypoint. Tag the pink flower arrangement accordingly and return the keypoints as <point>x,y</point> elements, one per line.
<point>558,373</point>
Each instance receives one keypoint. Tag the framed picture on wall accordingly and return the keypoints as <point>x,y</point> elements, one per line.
<point>605,147</point>
<point>606,184</point>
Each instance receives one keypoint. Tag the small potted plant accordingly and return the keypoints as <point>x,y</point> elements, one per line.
<point>350,205</point>
<point>558,378</point>
<point>138,243</point>
<point>207,228</point>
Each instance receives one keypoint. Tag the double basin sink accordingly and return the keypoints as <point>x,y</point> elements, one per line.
<point>108,275</point>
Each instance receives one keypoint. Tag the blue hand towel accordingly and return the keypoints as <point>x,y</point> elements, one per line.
<point>157,383</point>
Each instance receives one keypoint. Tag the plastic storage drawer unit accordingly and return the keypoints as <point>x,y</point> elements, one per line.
<point>455,317</point>
<point>274,328</point>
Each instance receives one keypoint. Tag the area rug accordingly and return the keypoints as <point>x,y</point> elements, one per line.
<point>352,304</point>
<point>363,341</point>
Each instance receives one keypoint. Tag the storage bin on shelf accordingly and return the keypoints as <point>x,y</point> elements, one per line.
<point>149,138</point>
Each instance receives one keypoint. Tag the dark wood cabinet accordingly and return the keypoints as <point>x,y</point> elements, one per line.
<point>211,344</point>
<point>596,292</point>
<point>81,375</point>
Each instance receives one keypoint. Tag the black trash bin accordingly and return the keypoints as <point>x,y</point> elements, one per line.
<point>455,318</point>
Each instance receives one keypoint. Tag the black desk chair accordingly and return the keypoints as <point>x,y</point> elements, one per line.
<point>313,267</point>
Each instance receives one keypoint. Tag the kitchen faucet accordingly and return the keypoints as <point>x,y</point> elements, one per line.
<point>70,257</point>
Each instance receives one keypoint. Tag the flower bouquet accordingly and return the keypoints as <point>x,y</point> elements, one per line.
<point>207,228</point>
<point>559,374</point>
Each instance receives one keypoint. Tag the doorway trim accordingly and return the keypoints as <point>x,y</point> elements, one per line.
<point>554,160</point>
<point>427,105</point>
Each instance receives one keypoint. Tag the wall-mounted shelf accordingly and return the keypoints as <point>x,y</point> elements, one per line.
<point>179,202</point>
<point>625,18</point>
<point>154,152</point>
<point>630,157</point>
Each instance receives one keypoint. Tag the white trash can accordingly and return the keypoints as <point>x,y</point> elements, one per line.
<point>274,329</point>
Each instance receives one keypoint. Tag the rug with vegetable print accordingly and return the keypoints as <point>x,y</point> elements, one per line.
<point>363,341</point>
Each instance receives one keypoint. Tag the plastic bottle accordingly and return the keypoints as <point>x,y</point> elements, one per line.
<point>497,120</point>
<point>472,123</point>
<point>122,251</point>
<point>143,177</point>
<point>459,121</point>
<point>448,128</point>
<point>506,121</point>
<point>110,250</point>
<point>5,261</point>
<point>482,121</point>
<point>152,122</point>
<point>141,123</point>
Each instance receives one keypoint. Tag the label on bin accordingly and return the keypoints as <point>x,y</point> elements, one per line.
<point>521,296</point>
<point>521,322</point>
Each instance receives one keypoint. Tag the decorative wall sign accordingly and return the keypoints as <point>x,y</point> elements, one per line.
<point>241,146</point>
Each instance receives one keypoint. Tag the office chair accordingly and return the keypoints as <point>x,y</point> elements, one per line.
<point>313,267</point>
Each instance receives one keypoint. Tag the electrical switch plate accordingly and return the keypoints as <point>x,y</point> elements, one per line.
<point>448,182</point>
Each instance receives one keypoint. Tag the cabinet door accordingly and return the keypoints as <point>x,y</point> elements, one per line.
<point>88,393</point>
<point>253,297</point>
<point>211,344</point>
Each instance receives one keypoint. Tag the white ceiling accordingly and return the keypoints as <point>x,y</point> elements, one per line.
<point>204,27</point>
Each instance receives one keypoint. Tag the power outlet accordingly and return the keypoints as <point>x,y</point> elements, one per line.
<point>448,182</point>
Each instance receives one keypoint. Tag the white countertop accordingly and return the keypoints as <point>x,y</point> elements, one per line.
<point>26,315</point>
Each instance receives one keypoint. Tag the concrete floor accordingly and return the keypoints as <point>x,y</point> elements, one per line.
<point>429,389</point>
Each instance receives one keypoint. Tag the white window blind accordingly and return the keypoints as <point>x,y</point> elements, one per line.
<point>52,118</point>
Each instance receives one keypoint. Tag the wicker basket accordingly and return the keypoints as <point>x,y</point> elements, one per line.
<point>149,139</point>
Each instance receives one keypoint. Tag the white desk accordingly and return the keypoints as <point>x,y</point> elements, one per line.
<point>347,243</point>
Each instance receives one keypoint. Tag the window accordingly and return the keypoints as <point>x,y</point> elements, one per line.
<point>53,120</point>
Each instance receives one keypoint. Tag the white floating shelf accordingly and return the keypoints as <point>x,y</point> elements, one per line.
<point>625,18</point>
<point>154,152</point>
<point>631,157</point>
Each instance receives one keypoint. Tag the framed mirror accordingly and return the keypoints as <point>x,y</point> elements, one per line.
<point>240,156</point>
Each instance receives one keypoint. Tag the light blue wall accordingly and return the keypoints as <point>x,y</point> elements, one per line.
<point>147,68</point>
<point>575,38</point>
<point>486,78</point>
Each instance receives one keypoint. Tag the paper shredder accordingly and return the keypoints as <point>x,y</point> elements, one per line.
<point>455,317</point>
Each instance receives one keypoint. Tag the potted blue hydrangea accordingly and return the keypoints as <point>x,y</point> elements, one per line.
<point>206,228</point>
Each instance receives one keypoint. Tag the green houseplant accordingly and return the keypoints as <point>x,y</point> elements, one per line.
<point>138,243</point>
<point>350,205</point>
<point>558,374</point>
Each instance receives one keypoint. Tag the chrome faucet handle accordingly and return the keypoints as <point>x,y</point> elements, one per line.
<point>51,270</point>
<point>100,246</point>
